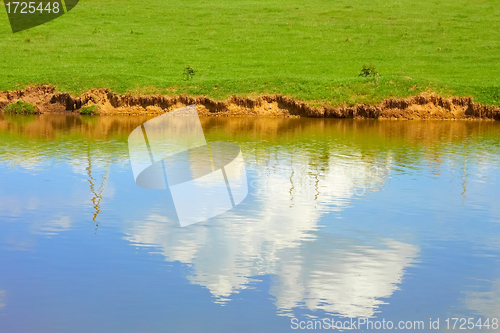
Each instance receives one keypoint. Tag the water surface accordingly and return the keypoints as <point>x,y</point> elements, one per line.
<point>394,220</point>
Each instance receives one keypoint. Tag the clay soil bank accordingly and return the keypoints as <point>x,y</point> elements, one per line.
<point>424,106</point>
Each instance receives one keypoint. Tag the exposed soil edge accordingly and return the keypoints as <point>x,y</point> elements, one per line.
<point>423,106</point>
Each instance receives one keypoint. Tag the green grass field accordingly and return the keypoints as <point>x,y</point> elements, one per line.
<point>311,50</point>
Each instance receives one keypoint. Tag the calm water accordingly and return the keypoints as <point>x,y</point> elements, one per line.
<point>344,219</point>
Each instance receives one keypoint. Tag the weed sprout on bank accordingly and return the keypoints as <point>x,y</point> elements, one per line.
<point>188,73</point>
<point>369,71</point>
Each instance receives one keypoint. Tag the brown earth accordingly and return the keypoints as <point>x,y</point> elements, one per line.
<point>424,106</point>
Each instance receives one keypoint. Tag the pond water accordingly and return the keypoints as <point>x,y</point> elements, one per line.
<point>344,219</point>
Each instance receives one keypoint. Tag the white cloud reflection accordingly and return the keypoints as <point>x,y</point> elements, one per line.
<point>486,303</point>
<point>2,299</point>
<point>280,237</point>
<point>54,226</point>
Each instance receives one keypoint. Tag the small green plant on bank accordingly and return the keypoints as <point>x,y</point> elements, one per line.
<point>368,71</point>
<point>90,110</point>
<point>20,107</point>
<point>188,73</point>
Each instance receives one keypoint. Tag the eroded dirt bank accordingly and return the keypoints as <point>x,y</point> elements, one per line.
<point>423,106</point>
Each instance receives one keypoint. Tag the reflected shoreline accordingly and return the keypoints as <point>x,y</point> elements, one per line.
<point>50,126</point>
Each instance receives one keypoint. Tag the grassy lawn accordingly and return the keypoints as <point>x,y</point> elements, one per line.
<point>311,50</point>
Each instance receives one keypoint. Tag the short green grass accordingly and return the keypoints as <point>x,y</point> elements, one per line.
<point>312,50</point>
<point>89,110</point>
<point>20,107</point>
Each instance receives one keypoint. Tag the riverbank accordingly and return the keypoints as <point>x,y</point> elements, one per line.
<point>311,51</point>
<point>427,105</point>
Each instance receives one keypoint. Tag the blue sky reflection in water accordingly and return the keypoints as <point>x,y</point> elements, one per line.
<point>344,219</point>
